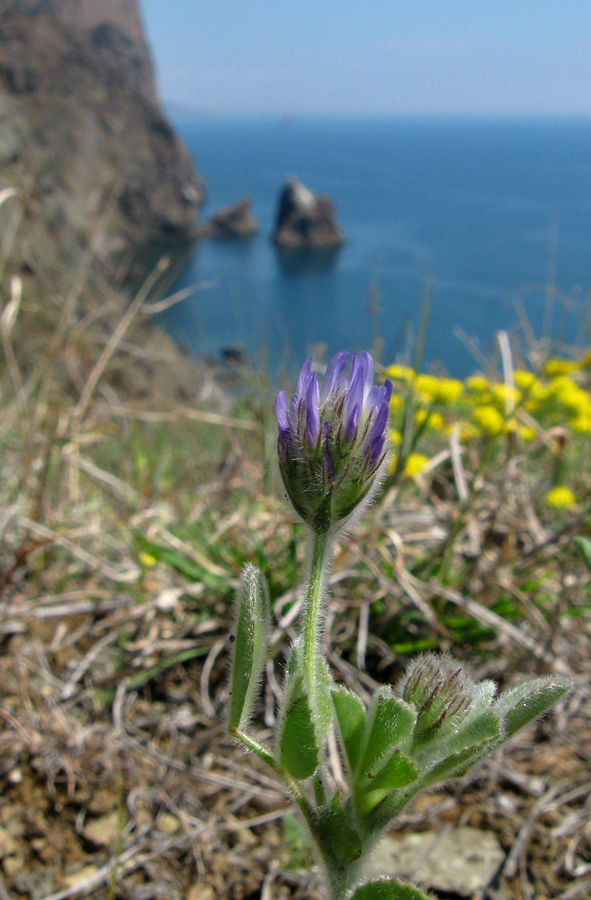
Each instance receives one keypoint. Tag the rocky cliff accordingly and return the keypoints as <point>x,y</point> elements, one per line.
<point>83,138</point>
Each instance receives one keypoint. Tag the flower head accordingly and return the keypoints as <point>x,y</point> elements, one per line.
<point>443,695</point>
<point>331,439</point>
<point>561,497</point>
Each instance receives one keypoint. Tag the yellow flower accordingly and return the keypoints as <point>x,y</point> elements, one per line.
<point>415,463</point>
<point>504,392</point>
<point>489,419</point>
<point>396,402</point>
<point>147,559</point>
<point>581,424</point>
<point>450,390</point>
<point>439,390</point>
<point>570,395</point>
<point>468,431</point>
<point>527,433</point>
<point>477,384</point>
<point>434,420</point>
<point>400,373</point>
<point>395,437</point>
<point>524,379</point>
<point>561,497</point>
<point>560,367</point>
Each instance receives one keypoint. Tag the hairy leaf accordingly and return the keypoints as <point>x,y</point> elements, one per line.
<point>350,713</point>
<point>389,721</point>
<point>520,705</point>
<point>250,645</point>
<point>584,550</point>
<point>340,835</point>
<point>388,890</point>
<point>298,753</point>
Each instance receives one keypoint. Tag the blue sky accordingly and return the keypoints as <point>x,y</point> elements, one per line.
<point>377,57</point>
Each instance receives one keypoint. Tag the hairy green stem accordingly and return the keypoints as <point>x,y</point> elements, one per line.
<point>315,592</point>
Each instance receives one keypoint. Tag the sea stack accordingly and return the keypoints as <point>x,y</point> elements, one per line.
<point>305,220</point>
<point>232,222</point>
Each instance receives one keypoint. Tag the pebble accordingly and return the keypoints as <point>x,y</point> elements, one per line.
<point>168,824</point>
<point>462,861</point>
<point>201,891</point>
<point>8,845</point>
<point>81,875</point>
<point>104,831</point>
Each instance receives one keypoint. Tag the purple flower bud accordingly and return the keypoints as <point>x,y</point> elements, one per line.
<point>331,439</point>
<point>332,375</point>
<point>352,424</point>
<point>443,695</point>
<point>304,376</point>
<point>312,412</point>
<point>281,412</point>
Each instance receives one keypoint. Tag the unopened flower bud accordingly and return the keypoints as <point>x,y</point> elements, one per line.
<point>442,693</point>
<point>331,439</point>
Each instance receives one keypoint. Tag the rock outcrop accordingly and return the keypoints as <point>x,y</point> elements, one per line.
<point>305,220</point>
<point>232,222</point>
<point>83,138</point>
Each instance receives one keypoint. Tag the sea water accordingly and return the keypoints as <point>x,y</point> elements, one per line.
<point>483,224</point>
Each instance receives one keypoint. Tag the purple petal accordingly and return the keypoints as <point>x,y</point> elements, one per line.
<point>281,413</point>
<point>332,374</point>
<point>388,386</point>
<point>312,413</point>
<point>367,369</point>
<point>305,372</point>
<point>375,450</point>
<point>375,438</point>
<point>293,410</point>
<point>373,398</point>
<point>352,423</point>
<point>355,392</point>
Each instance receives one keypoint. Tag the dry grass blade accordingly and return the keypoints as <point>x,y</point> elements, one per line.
<point>515,856</point>
<point>122,577</point>
<point>178,413</point>
<point>114,341</point>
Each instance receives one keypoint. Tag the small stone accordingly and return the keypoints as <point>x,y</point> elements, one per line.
<point>101,802</point>
<point>12,865</point>
<point>8,846</point>
<point>104,831</point>
<point>168,824</point>
<point>201,891</point>
<point>463,861</point>
<point>11,816</point>
<point>80,876</point>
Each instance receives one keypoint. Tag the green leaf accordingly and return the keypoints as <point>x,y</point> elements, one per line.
<point>350,713</point>
<point>398,772</point>
<point>340,836</point>
<point>298,753</point>
<point>388,890</point>
<point>458,764</point>
<point>322,706</point>
<point>584,550</point>
<point>520,705</point>
<point>371,790</point>
<point>389,721</point>
<point>250,645</point>
<point>484,727</point>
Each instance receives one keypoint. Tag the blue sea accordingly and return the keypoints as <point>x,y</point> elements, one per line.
<point>483,224</point>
